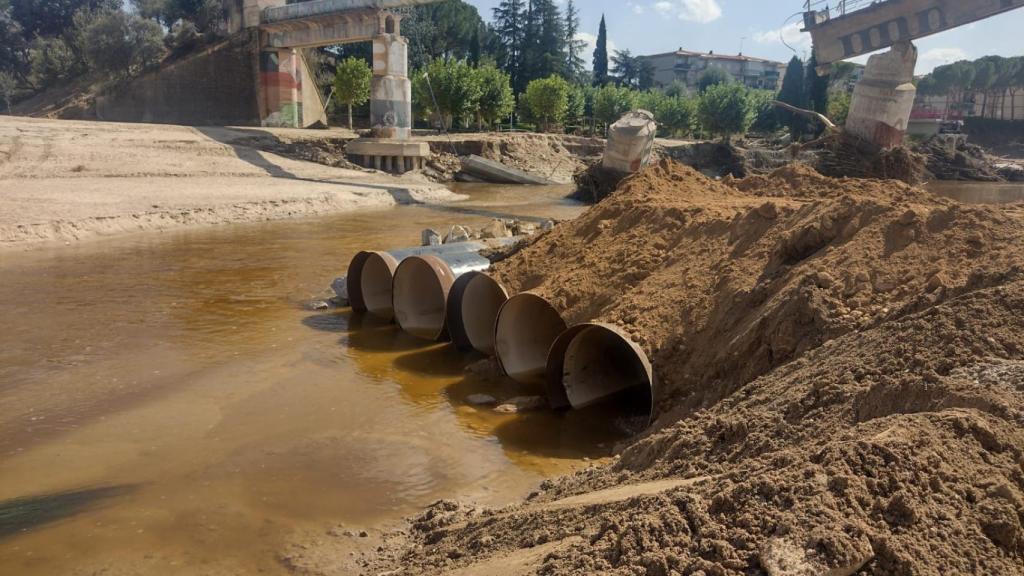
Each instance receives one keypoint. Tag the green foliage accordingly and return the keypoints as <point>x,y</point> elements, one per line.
<point>496,100</point>
<point>204,14</point>
<point>447,29</point>
<point>547,100</point>
<point>763,104</point>
<point>544,44</point>
<point>457,89</point>
<point>576,109</point>
<point>51,60</point>
<point>13,47</point>
<point>839,107</point>
<point>50,18</point>
<point>122,45</point>
<point>712,77</point>
<point>632,71</point>
<point>726,110</point>
<point>611,102</point>
<point>574,66</point>
<point>8,87</point>
<point>676,115</point>
<point>510,31</point>
<point>352,84</point>
<point>601,55</point>
<point>816,87</point>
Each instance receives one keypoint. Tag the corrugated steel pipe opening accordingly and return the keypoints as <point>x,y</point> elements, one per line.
<point>598,364</point>
<point>421,288</point>
<point>355,282</point>
<point>481,302</point>
<point>376,280</point>
<point>526,328</point>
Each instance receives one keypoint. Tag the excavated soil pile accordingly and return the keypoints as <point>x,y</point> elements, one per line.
<point>840,382</point>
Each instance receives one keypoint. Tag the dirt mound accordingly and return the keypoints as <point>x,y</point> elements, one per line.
<point>840,382</point>
<point>843,156</point>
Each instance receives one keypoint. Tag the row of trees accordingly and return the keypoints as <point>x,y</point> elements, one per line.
<point>455,94</point>
<point>46,42</point>
<point>993,77</point>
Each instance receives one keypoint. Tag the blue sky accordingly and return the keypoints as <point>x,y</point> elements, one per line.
<point>653,26</point>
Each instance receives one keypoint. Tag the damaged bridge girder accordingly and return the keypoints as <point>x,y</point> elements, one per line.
<point>840,36</point>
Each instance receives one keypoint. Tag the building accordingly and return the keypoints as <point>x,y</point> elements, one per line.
<point>687,67</point>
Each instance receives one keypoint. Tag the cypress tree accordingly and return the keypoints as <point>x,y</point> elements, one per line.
<point>792,93</point>
<point>601,55</point>
<point>816,87</point>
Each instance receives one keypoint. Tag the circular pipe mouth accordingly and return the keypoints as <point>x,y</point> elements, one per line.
<point>453,313</point>
<point>482,301</point>
<point>421,288</point>
<point>376,281</point>
<point>600,364</point>
<point>526,327</point>
<point>354,282</point>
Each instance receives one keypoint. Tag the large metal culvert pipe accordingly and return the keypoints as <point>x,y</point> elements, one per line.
<point>465,255</point>
<point>473,306</point>
<point>599,363</point>
<point>526,327</point>
<point>421,288</point>
<point>354,282</point>
<point>378,275</point>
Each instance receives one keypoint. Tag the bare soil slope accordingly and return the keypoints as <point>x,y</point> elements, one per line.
<point>840,369</point>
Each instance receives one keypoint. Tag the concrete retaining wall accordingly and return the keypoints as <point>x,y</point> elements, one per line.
<point>214,87</point>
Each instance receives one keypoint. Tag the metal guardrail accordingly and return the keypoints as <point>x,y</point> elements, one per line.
<point>313,8</point>
<point>836,8</point>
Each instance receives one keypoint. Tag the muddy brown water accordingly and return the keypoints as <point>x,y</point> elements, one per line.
<point>169,404</point>
<point>980,192</point>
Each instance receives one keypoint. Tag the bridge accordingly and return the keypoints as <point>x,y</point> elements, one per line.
<point>287,94</point>
<point>884,98</point>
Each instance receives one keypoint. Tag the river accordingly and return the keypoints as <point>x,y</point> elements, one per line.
<point>170,404</point>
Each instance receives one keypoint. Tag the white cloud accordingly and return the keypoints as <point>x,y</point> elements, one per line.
<point>935,57</point>
<point>701,11</point>
<point>789,34</point>
<point>636,8</point>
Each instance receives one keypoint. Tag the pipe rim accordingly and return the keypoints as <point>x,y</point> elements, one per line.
<point>484,341</point>
<point>354,281</point>
<point>559,393</point>
<point>443,278</point>
<point>503,363</point>
<point>453,312</point>
<point>382,307</point>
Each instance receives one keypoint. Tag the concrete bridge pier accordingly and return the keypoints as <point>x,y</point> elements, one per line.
<point>883,100</point>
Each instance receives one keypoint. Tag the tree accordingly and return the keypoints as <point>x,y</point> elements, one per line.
<point>51,60</point>
<point>544,42</point>
<point>839,107</point>
<point>816,87</point>
<point>984,78</point>
<point>53,17</point>
<point>574,66</point>
<point>547,100</point>
<point>204,14</point>
<point>13,47</point>
<point>510,31</point>
<point>713,76</point>
<point>496,98</point>
<point>726,110</point>
<point>576,110</point>
<point>632,71</point>
<point>352,84</point>
<point>611,102</point>
<point>601,55</point>
<point>122,45</point>
<point>457,89</point>
<point>8,85</point>
<point>793,93</point>
<point>447,29</point>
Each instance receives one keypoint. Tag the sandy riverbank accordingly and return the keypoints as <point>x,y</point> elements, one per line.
<point>64,181</point>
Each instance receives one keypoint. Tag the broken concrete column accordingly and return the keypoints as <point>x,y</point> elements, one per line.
<point>883,99</point>
<point>391,90</point>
